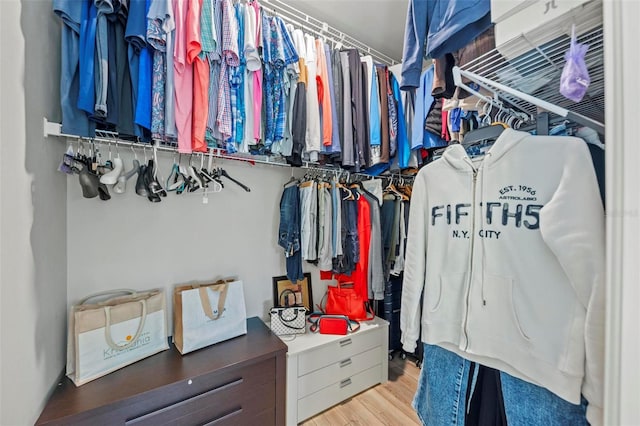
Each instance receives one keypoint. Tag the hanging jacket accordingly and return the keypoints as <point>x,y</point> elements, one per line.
<point>436,27</point>
<point>510,253</point>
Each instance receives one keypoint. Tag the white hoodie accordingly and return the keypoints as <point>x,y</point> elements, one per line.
<point>510,252</point>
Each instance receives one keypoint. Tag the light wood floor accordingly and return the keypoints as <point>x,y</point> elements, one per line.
<point>388,404</point>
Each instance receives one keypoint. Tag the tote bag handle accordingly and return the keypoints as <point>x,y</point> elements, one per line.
<point>108,293</point>
<point>107,328</point>
<point>206,303</point>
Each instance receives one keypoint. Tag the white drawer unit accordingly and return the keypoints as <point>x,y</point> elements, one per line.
<point>324,370</point>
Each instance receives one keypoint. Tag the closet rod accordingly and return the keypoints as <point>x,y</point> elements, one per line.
<point>556,109</point>
<point>321,29</point>
<point>54,129</point>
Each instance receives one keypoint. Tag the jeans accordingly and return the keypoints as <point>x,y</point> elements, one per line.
<point>441,396</point>
<point>529,404</point>
<point>289,232</point>
<point>442,388</point>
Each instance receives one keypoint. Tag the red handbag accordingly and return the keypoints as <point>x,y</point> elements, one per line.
<point>332,324</point>
<point>343,299</point>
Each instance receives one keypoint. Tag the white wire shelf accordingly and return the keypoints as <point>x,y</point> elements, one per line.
<point>532,63</point>
<point>321,29</point>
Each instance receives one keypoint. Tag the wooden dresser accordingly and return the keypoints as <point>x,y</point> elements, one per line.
<point>240,381</point>
<point>324,370</point>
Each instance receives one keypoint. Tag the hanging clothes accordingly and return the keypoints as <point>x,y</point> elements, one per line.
<point>403,147</point>
<point>313,133</point>
<point>136,33</point>
<point>334,83</point>
<point>183,79</point>
<point>422,136</point>
<point>278,53</point>
<point>74,121</point>
<point>124,125</point>
<point>289,232</point>
<point>142,115</point>
<point>324,96</point>
<point>237,83</point>
<point>253,64</point>
<point>214,137</point>
<point>229,61</point>
<point>438,27</point>
<point>375,275</point>
<point>348,148</point>
<point>160,24</point>
<point>325,218</point>
<point>381,72</point>
<point>299,109</point>
<point>308,220</point>
<point>200,104</point>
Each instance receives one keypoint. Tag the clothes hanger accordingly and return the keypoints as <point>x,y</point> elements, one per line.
<point>111,177</point>
<point>291,180</point>
<point>349,195</point>
<point>391,189</point>
<point>175,181</point>
<point>481,134</point>
<point>224,173</point>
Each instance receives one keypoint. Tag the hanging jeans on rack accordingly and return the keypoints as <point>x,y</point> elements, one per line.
<point>442,397</point>
<point>289,232</point>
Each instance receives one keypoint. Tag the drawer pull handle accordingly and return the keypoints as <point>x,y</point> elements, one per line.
<point>345,342</point>
<point>345,362</point>
<point>345,382</point>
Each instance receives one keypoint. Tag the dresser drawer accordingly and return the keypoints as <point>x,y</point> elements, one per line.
<point>249,393</point>
<point>338,350</point>
<point>338,371</point>
<point>337,392</point>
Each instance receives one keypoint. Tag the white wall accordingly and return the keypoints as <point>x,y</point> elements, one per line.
<point>128,242</point>
<point>32,213</point>
<point>622,386</point>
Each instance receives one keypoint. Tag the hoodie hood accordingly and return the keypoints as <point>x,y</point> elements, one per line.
<point>457,157</point>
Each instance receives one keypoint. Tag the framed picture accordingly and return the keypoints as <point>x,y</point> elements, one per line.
<point>286,293</point>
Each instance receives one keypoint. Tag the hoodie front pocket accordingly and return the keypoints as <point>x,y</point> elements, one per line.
<point>501,315</point>
<point>443,297</point>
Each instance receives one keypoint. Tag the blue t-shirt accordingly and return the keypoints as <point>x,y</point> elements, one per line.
<point>145,75</point>
<point>86,96</point>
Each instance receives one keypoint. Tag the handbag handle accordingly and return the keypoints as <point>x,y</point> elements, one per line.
<point>206,302</point>
<point>108,293</point>
<point>285,321</point>
<point>285,292</point>
<point>107,328</point>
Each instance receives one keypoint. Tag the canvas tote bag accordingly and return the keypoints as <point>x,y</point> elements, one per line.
<point>204,314</point>
<point>108,335</point>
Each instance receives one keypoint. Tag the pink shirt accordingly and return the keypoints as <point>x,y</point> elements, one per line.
<point>200,77</point>
<point>183,78</point>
